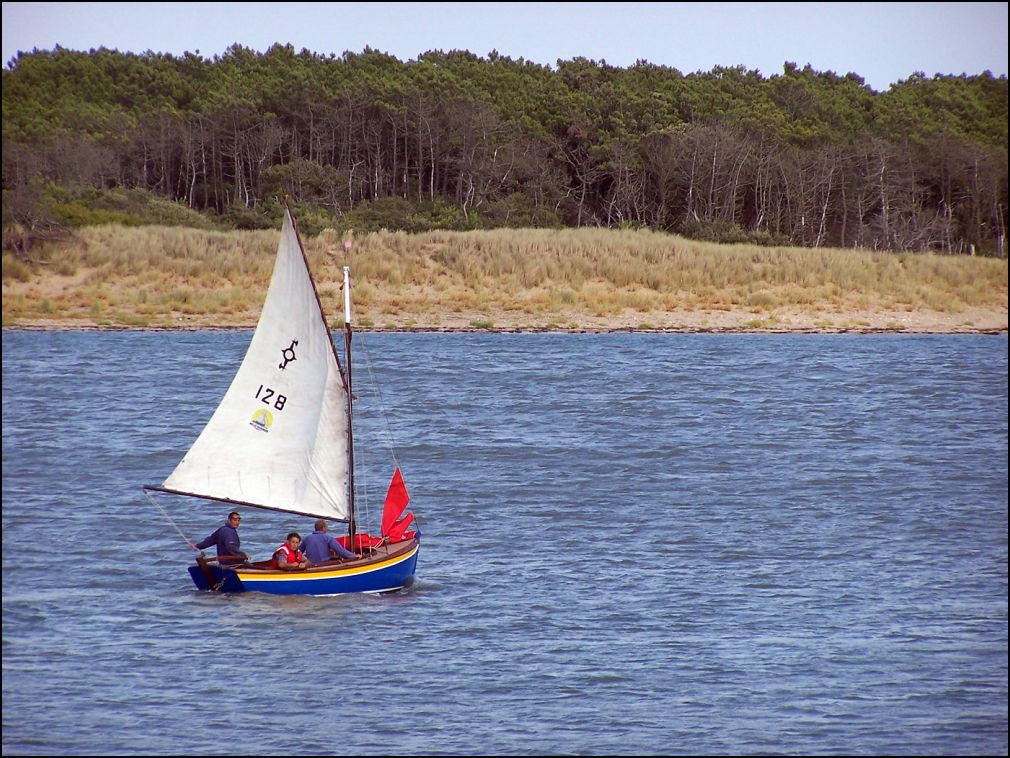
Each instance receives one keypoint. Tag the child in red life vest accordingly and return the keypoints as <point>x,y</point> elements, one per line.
<point>288,557</point>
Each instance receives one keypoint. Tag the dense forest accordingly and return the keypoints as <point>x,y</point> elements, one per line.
<point>456,141</point>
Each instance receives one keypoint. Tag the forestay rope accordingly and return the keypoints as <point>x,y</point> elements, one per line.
<point>169,519</point>
<point>382,413</point>
<point>382,407</point>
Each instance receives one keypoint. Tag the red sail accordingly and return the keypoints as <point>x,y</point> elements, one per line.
<point>399,531</point>
<point>396,500</point>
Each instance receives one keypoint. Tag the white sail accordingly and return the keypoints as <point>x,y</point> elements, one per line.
<point>279,437</point>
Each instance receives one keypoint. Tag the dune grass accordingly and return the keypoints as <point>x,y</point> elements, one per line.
<point>163,276</point>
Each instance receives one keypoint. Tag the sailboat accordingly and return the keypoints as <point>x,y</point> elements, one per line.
<point>282,439</point>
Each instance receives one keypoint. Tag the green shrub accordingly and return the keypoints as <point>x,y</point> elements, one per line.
<point>728,233</point>
<point>76,214</point>
<point>399,214</point>
<point>262,217</point>
<point>76,207</point>
<point>312,221</point>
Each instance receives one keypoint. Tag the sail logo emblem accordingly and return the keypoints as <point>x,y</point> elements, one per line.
<point>288,354</point>
<point>262,420</point>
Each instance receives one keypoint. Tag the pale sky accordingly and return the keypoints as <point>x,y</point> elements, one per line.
<point>882,42</point>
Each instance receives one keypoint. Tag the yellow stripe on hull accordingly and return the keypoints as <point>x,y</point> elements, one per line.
<point>289,576</point>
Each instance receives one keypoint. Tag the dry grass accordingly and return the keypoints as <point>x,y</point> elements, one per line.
<point>532,278</point>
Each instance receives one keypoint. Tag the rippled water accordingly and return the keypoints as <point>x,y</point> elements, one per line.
<point>632,544</point>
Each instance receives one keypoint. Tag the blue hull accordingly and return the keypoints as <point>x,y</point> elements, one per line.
<point>380,573</point>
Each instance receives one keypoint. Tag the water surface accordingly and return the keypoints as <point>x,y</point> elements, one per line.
<point>632,544</point>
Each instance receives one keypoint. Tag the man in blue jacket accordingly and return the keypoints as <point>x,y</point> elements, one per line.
<point>227,541</point>
<point>320,547</point>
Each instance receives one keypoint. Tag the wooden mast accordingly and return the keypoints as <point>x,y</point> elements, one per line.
<point>351,525</point>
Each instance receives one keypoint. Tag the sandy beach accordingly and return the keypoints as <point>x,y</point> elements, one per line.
<point>601,282</point>
<point>742,320</point>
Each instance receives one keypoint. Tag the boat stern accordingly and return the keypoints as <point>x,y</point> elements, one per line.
<point>213,577</point>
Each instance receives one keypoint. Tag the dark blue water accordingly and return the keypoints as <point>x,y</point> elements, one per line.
<point>632,544</point>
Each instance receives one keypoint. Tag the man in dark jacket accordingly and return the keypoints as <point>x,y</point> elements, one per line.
<point>227,541</point>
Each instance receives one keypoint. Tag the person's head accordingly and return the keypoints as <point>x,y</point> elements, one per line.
<point>294,540</point>
<point>321,525</point>
<point>234,519</point>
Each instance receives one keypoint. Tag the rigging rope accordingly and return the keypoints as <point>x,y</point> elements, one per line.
<point>364,489</point>
<point>382,407</point>
<point>169,519</point>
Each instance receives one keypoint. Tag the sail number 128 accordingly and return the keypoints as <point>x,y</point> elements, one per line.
<point>271,397</point>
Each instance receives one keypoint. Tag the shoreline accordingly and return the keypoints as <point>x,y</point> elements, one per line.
<point>737,319</point>
<point>987,322</point>
<point>519,330</point>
